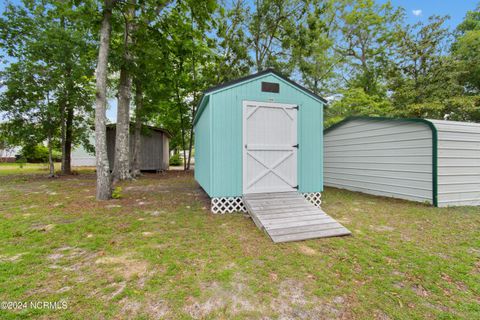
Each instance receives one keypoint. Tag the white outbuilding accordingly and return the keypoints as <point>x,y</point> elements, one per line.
<point>432,161</point>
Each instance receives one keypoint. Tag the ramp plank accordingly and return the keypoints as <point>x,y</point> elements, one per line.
<point>288,216</point>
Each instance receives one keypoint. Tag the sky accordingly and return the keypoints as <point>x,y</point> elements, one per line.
<point>420,10</point>
<point>415,10</point>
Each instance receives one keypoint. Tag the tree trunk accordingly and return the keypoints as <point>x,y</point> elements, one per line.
<point>67,117</point>
<point>183,138</point>
<point>63,107</point>
<point>182,127</point>
<point>104,183</point>
<point>121,164</point>
<point>62,132</point>
<point>67,151</point>
<point>138,129</point>
<point>190,143</point>
<point>51,165</point>
<point>194,78</point>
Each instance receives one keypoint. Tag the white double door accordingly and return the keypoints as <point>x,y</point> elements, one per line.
<point>269,147</point>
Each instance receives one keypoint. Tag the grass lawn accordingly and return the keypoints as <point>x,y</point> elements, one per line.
<point>159,253</point>
<point>33,168</point>
<point>17,168</point>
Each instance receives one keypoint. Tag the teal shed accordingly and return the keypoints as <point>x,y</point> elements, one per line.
<point>259,134</point>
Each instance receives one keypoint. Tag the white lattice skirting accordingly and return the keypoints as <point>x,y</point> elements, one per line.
<point>228,205</point>
<point>235,204</point>
<point>314,197</point>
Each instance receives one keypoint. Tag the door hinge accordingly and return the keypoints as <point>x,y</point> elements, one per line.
<point>296,146</point>
<point>296,187</point>
<point>296,108</point>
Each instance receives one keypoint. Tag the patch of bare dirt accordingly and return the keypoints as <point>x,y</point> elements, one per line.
<point>118,287</point>
<point>438,307</point>
<point>14,258</point>
<point>71,259</point>
<point>420,290</point>
<point>124,265</point>
<point>477,267</point>
<point>64,289</point>
<point>460,285</point>
<point>306,250</point>
<point>273,276</point>
<point>234,300</point>
<point>42,227</point>
<point>55,256</point>
<point>130,308</point>
<point>382,228</point>
<point>292,303</point>
<point>380,315</point>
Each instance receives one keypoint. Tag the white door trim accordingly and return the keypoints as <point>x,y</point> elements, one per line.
<point>246,114</point>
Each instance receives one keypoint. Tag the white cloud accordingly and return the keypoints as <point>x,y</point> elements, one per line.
<point>417,12</point>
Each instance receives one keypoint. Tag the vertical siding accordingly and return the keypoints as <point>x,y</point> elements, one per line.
<point>203,150</point>
<point>153,145</point>
<point>381,157</point>
<point>310,160</point>
<point>151,150</point>
<point>227,147</point>
<point>458,163</point>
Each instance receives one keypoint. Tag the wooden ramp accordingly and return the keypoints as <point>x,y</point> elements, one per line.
<point>288,216</point>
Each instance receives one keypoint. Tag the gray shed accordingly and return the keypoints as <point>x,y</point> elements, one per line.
<point>431,161</point>
<point>154,153</point>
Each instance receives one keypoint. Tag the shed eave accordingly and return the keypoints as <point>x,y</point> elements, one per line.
<point>201,106</point>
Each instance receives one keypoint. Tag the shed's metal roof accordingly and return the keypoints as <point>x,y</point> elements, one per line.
<point>158,129</point>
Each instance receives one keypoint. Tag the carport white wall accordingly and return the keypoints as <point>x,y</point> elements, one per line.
<point>381,157</point>
<point>458,163</point>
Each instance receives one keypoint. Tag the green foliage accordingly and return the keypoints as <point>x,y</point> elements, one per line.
<point>271,24</point>
<point>466,49</point>
<point>460,108</point>
<point>313,49</point>
<point>421,72</point>
<point>176,160</point>
<point>412,73</point>
<point>38,153</point>
<point>233,59</point>
<point>356,102</point>
<point>367,39</point>
<point>48,84</point>
<point>117,193</point>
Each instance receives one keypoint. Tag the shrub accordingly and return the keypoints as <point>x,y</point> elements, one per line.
<point>117,193</point>
<point>38,154</point>
<point>176,160</point>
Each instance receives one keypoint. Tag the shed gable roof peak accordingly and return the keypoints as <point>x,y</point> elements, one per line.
<point>265,72</point>
<point>206,94</point>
